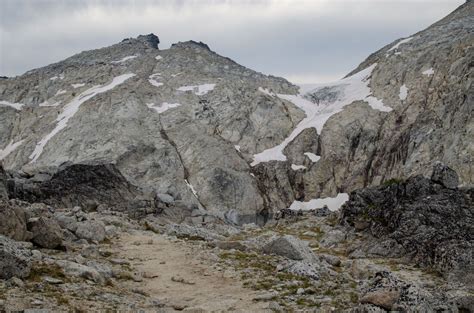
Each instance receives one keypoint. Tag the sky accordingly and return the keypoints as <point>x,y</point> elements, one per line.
<point>305,41</point>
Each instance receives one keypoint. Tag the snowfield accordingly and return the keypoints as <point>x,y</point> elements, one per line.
<point>403,92</point>
<point>9,149</point>
<point>71,108</point>
<point>350,89</point>
<point>199,90</point>
<point>130,57</point>
<point>165,106</point>
<point>333,204</point>
<point>16,106</point>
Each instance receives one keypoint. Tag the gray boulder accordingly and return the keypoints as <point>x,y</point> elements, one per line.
<point>3,184</point>
<point>15,260</point>
<point>445,176</point>
<point>46,232</point>
<point>290,247</point>
<point>91,230</point>
<point>79,270</point>
<point>13,222</point>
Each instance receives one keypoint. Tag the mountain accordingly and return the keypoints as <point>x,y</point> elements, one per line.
<point>200,131</point>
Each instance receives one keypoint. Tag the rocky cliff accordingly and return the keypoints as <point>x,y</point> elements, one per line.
<point>189,125</point>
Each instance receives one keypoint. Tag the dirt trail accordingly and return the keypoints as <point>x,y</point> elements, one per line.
<point>183,275</point>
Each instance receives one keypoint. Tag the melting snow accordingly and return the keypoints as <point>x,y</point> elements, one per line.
<point>295,167</point>
<point>57,77</point>
<point>192,188</point>
<point>9,149</point>
<point>165,106</point>
<point>72,107</point>
<point>78,85</point>
<point>47,104</point>
<point>237,147</point>
<point>124,59</point>
<point>353,88</point>
<point>158,57</point>
<point>266,91</point>
<point>313,157</point>
<point>198,89</point>
<point>401,42</point>
<point>333,204</point>
<point>60,92</point>
<point>152,79</point>
<point>16,106</point>
<point>429,72</point>
<point>403,92</point>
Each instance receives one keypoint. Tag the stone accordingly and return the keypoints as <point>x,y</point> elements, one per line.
<point>46,232</point>
<point>91,230</point>
<point>445,176</point>
<point>13,222</point>
<point>290,247</point>
<point>15,261</point>
<point>3,184</point>
<point>79,270</point>
<point>384,298</point>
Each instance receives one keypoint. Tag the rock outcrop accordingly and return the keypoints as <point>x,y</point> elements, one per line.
<point>419,219</point>
<point>15,260</point>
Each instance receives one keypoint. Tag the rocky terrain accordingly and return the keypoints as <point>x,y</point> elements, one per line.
<point>140,179</point>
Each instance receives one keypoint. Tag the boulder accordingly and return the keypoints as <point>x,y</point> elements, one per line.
<point>15,260</point>
<point>79,270</point>
<point>3,184</point>
<point>384,298</point>
<point>13,222</point>
<point>290,247</point>
<point>46,232</point>
<point>444,175</point>
<point>91,230</point>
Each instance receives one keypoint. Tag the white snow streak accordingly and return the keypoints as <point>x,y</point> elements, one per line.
<point>57,77</point>
<point>60,92</point>
<point>313,157</point>
<point>403,92</point>
<point>165,106</point>
<point>401,42</point>
<point>78,85</point>
<point>428,72</point>
<point>124,59</point>
<point>198,89</point>
<point>152,80</point>
<point>16,106</point>
<point>295,167</point>
<point>353,88</point>
<point>192,188</point>
<point>333,204</point>
<point>237,147</point>
<point>158,57</point>
<point>72,107</point>
<point>9,149</point>
<point>266,91</point>
<point>47,104</point>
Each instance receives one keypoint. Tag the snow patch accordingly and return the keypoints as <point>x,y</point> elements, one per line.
<point>401,42</point>
<point>57,77</point>
<point>266,91</point>
<point>165,106</point>
<point>47,104</point>
<point>78,85</point>
<point>71,108</point>
<point>403,92</point>
<point>198,89</point>
<point>16,106</point>
<point>428,72</point>
<point>9,149</point>
<point>313,157</point>
<point>130,57</point>
<point>152,80</point>
<point>158,57</point>
<point>333,204</point>
<point>60,92</point>
<point>295,167</point>
<point>237,147</point>
<point>350,89</point>
<point>192,188</point>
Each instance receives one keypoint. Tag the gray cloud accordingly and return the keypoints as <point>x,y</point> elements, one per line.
<point>302,40</point>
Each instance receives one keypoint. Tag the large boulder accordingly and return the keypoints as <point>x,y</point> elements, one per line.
<point>290,247</point>
<point>445,176</point>
<point>13,222</point>
<point>3,184</point>
<point>46,232</point>
<point>15,260</point>
<point>91,230</point>
<point>418,218</point>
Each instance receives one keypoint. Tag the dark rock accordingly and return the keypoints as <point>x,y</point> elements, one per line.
<point>13,222</point>
<point>445,176</point>
<point>3,184</point>
<point>425,221</point>
<point>151,39</point>
<point>15,260</point>
<point>46,232</point>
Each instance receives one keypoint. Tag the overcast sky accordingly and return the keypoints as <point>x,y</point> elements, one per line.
<point>305,41</point>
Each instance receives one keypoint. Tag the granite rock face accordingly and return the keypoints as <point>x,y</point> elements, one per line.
<point>420,219</point>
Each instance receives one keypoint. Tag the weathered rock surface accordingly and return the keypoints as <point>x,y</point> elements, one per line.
<point>290,247</point>
<point>418,218</point>
<point>15,260</point>
<point>3,184</point>
<point>13,221</point>
<point>46,232</point>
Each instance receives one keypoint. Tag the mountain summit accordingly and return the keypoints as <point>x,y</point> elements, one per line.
<point>221,140</point>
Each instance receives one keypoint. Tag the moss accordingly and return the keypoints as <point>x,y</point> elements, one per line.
<point>392,181</point>
<point>52,270</point>
<point>354,297</point>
